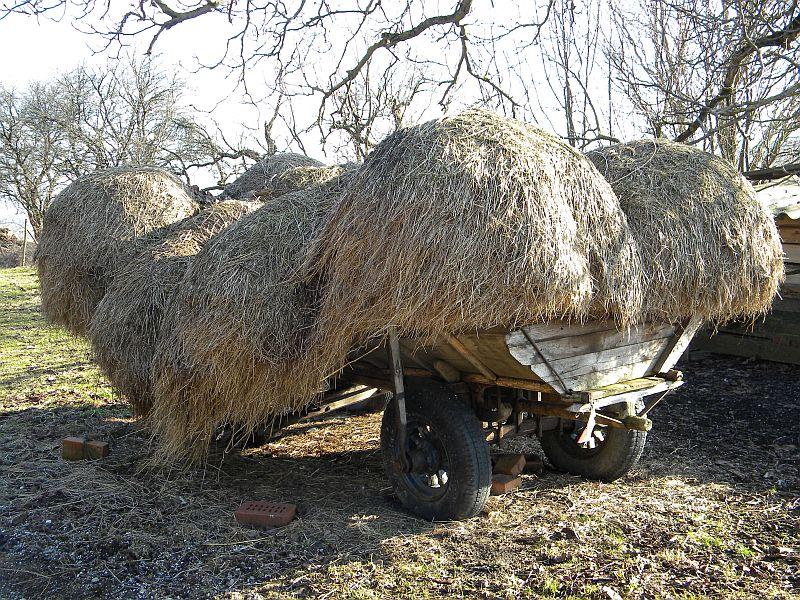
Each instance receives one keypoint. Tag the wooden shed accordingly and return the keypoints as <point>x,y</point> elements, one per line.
<point>777,337</point>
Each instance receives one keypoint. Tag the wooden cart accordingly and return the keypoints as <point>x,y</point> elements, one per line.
<point>581,388</point>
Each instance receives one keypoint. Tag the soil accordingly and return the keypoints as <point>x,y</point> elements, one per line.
<point>712,510</point>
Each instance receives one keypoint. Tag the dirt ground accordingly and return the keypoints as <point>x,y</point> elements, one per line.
<point>711,511</point>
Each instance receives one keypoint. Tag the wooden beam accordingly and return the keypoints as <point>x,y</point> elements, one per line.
<point>510,382</point>
<point>476,362</point>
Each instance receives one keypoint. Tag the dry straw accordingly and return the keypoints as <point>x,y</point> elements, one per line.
<point>89,232</point>
<point>467,222</point>
<point>464,223</point>
<point>709,247</point>
<point>259,177</point>
<point>239,321</point>
<point>126,324</point>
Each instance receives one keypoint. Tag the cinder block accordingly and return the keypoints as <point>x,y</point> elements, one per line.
<point>75,448</point>
<point>264,514</point>
<point>503,484</point>
<point>534,465</point>
<point>510,464</point>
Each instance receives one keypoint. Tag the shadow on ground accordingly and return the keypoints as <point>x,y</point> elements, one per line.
<point>713,506</point>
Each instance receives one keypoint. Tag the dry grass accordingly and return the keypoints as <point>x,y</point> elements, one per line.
<point>711,512</point>
<point>708,246</point>
<point>468,222</point>
<point>238,322</point>
<point>126,324</point>
<point>89,231</point>
<point>259,177</point>
<point>300,178</point>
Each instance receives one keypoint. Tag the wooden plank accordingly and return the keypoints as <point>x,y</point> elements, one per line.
<point>556,329</point>
<point>510,382</point>
<point>792,253</point>
<point>588,343</point>
<point>605,367</point>
<point>786,350</point>
<point>623,387</point>
<point>459,347</point>
<point>600,378</point>
<point>790,234</point>
<point>610,358</point>
<point>678,346</point>
<point>493,352</point>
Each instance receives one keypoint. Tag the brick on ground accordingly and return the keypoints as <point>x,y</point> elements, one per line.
<point>264,514</point>
<point>76,448</point>
<point>503,484</point>
<point>509,464</point>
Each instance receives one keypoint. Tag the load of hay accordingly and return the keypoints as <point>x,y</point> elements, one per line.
<point>709,247</point>
<point>89,231</point>
<point>464,223</point>
<point>238,323</point>
<point>11,249</point>
<point>259,177</point>
<point>126,324</point>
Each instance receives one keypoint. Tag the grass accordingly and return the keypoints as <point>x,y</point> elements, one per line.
<point>712,510</point>
<point>38,359</point>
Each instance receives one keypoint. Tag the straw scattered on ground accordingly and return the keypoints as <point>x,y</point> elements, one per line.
<point>710,512</point>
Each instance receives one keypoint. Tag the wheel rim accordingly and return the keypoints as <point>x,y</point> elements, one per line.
<point>568,438</point>
<point>429,478</point>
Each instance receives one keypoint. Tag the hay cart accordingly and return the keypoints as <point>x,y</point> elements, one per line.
<point>582,389</point>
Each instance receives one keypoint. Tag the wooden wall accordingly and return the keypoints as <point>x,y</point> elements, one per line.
<point>777,337</point>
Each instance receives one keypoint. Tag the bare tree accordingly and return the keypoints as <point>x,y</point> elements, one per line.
<point>329,51</point>
<point>721,74</point>
<point>55,131</point>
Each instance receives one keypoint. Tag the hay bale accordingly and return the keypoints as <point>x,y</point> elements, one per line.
<point>11,249</point>
<point>475,221</point>
<point>258,178</point>
<point>300,178</point>
<point>237,324</point>
<point>472,221</point>
<point>126,324</point>
<point>89,231</point>
<point>709,246</point>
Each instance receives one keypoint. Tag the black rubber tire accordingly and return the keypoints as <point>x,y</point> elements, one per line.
<point>470,466</point>
<point>619,453</point>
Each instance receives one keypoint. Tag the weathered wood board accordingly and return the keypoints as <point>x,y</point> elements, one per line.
<point>582,357</point>
<point>775,338</point>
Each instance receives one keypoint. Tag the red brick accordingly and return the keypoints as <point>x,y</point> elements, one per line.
<point>533,464</point>
<point>503,484</point>
<point>264,514</point>
<point>509,464</point>
<point>75,448</point>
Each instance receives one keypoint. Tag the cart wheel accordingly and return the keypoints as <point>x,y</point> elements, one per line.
<point>451,471</point>
<point>608,455</point>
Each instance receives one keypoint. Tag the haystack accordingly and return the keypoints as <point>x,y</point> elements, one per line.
<point>238,323</point>
<point>466,222</point>
<point>126,324</point>
<point>258,178</point>
<point>474,221</point>
<point>709,246</point>
<point>89,232</point>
